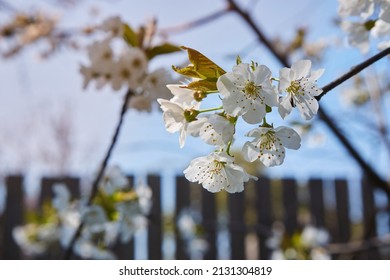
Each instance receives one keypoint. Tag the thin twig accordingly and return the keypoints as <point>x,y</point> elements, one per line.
<point>282,58</point>
<point>196,23</point>
<point>354,70</point>
<point>95,185</point>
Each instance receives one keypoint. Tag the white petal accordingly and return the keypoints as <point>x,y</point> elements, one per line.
<point>285,106</point>
<point>301,68</point>
<point>250,151</point>
<point>289,137</point>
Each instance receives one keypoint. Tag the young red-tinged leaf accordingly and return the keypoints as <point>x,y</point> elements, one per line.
<point>161,49</point>
<point>130,36</point>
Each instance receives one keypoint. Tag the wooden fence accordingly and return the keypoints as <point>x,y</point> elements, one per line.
<point>250,213</point>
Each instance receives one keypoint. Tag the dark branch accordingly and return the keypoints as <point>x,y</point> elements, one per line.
<point>355,70</point>
<point>95,185</point>
<point>193,24</point>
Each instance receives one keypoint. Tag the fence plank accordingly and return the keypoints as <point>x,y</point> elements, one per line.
<point>182,202</point>
<point>125,251</point>
<point>237,226</point>
<point>264,216</point>
<point>369,217</point>
<point>317,202</point>
<point>209,221</point>
<point>342,207</point>
<point>13,216</point>
<point>155,221</point>
<point>290,205</point>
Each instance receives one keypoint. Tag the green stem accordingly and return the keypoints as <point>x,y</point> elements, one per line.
<point>210,110</point>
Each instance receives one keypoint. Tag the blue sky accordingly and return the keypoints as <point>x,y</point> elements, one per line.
<point>34,91</point>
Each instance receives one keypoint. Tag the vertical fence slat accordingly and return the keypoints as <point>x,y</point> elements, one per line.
<point>182,202</point>
<point>155,225</point>
<point>237,226</point>
<point>209,221</point>
<point>264,217</point>
<point>290,205</point>
<point>13,216</point>
<point>317,202</point>
<point>369,217</point>
<point>342,207</point>
<point>125,251</point>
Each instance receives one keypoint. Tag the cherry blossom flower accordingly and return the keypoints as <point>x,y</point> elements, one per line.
<point>385,10</point>
<point>269,144</point>
<point>179,117</point>
<point>301,88</point>
<point>247,92</point>
<point>217,171</point>
<point>216,130</point>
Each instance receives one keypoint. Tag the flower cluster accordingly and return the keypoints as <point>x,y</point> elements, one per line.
<point>246,92</point>
<point>129,67</point>
<point>117,213</point>
<point>365,18</point>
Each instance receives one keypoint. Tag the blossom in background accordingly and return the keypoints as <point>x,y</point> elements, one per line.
<point>358,35</point>
<point>217,171</point>
<point>114,25</point>
<point>269,144</point>
<point>247,92</point>
<point>362,8</point>
<point>300,86</point>
<point>114,180</point>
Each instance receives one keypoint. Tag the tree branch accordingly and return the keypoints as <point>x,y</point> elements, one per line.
<point>282,58</point>
<point>196,23</point>
<point>354,70</point>
<point>95,185</point>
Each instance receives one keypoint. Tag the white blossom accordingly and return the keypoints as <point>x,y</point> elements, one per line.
<point>358,35</point>
<point>217,171</point>
<point>216,130</point>
<point>181,94</point>
<point>362,8</point>
<point>269,144</point>
<point>247,92</point>
<point>385,10</point>
<point>61,200</point>
<point>114,180</point>
<point>301,88</point>
<point>114,25</point>
<point>176,118</point>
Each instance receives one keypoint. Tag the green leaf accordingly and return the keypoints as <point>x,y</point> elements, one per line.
<point>238,60</point>
<point>130,36</point>
<point>161,49</point>
<point>200,67</point>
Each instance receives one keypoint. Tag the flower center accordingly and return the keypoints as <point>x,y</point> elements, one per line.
<point>217,167</point>
<point>251,89</point>
<point>268,140</point>
<point>294,87</point>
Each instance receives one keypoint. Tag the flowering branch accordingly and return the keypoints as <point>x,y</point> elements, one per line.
<point>372,175</point>
<point>95,185</point>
